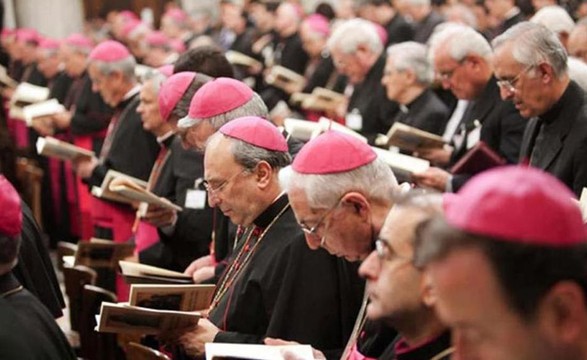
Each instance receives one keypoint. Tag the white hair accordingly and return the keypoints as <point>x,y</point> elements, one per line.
<point>418,2</point>
<point>578,72</point>
<point>349,35</point>
<point>460,42</point>
<point>126,66</point>
<point>374,180</point>
<point>534,43</point>
<point>461,14</point>
<point>411,55</point>
<point>554,18</point>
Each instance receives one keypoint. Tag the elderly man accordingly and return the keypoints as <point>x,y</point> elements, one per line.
<point>577,42</point>
<point>274,285</point>
<point>538,84</point>
<point>399,293</point>
<point>25,321</point>
<point>461,58</point>
<point>527,249</point>
<point>357,52</point>
<point>407,78</point>
<point>341,193</point>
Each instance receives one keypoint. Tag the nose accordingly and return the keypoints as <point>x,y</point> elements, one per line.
<point>505,93</point>
<point>313,241</point>
<point>213,200</point>
<point>445,83</point>
<point>370,266</point>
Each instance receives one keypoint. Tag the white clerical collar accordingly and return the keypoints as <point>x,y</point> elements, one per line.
<point>512,12</point>
<point>167,135</point>
<point>132,92</point>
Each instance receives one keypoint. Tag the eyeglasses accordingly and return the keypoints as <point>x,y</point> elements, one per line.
<point>510,85</point>
<point>447,75</point>
<point>313,229</point>
<point>216,190</point>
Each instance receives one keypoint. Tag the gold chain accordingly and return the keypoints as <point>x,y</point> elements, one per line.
<point>235,268</point>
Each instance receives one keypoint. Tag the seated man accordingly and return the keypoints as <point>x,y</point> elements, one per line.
<point>274,285</point>
<point>507,265</point>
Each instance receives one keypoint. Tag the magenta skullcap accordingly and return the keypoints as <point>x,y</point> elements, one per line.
<point>333,152</point>
<point>318,24</point>
<point>256,131</point>
<point>172,90</point>
<point>109,51</point>
<point>128,15</point>
<point>11,214</point>
<point>130,26</point>
<point>79,41</point>
<point>166,70</point>
<point>27,35</point>
<point>216,97</point>
<point>49,44</point>
<point>177,45</point>
<point>156,39</point>
<point>519,204</point>
<point>176,14</point>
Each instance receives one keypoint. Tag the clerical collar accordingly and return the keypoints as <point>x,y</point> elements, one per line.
<point>9,284</point>
<point>272,211</point>
<point>554,112</point>
<point>511,13</point>
<point>417,102</point>
<point>434,348</point>
<point>132,92</point>
<point>166,139</point>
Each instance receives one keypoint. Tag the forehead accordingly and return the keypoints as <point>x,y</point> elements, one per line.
<point>504,62</point>
<point>400,224</point>
<point>218,158</point>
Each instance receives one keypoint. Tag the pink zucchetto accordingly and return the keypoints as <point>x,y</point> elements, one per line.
<point>176,15</point>
<point>156,39</point>
<point>517,204</point>
<point>49,44</point>
<point>11,214</point>
<point>166,70</point>
<point>128,15</point>
<point>172,90</point>
<point>333,152</point>
<point>79,41</point>
<point>27,35</point>
<point>109,51</point>
<point>318,24</point>
<point>256,131</point>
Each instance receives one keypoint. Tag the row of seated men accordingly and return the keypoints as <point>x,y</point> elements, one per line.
<point>273,284</point>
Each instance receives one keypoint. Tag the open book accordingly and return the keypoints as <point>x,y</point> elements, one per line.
<point>322,99</point>
<point>409,138</point>
<point>44,108</point>
<point>103,192</point>
<point>102,253</point>
<point>285,79</point>
<point>135,192</point>
<point>306,129</point>
<point>258,352</point>
<point>125,319</point>
<point>479,158</point>
<point>26,94</point>
<point>403,166</point>
<point>583,204</point>
<point>5,80</point>
<point>172,297</point>
<point>136,273</point>
<point>51,147</point>
<point>240,59</point>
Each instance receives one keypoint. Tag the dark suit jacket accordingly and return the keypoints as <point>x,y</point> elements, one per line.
<point>399,30</point>
<point>425,27</point>
<point>564,146</point>
<point>427,112</point>
<point>502,127</point>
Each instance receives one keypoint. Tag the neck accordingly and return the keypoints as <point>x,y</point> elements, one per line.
<point>420,327</point>
<point>123,91</point>
<point>162,130</point>
<point>411,94</point>
<point>559,88</point>
<point>264,199</point>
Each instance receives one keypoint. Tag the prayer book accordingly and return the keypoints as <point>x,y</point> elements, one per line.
<point>100,253</point>
<point>122,318</point>
<point>301,129</point>
<point>136,273</point>
<point>26,94</point>
<point>258,352</point>
<point>583,204</point>
<point>285,79</point>
<point>328,124</point>
<point>44,108</point>
<point>479,158</point>
<point>135,192</point>
<point>51,147</point>
<point>409,138</point>
<point>104,192</point>
<point>322,99</point>
<point>172,297</point>
<point>240,59</point>
<point>403,166</point>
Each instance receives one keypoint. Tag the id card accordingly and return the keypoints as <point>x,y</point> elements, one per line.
<point>195,199</point>
<point>354,120</point>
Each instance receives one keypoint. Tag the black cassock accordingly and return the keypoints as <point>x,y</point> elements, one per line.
<point>285,290</point>
<point>28,330</point>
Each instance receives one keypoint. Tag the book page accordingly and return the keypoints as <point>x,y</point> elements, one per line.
<point>45,108</point>
<point>301,129</point>
<point>402,165</point>
<point>172,297</point>
<point>51,147</point>
<point>409,138</point>
<point>237,58</point>
<point>103,253</point>
<point>258,352</point>
<point>134,192</point>
<point>327,124</point>
<point>29,93</point>
<point>106,193</point>
<point>583,204</point>
<point>132,268</point>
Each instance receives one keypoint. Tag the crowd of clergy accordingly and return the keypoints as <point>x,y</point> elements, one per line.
<point>317,241</point>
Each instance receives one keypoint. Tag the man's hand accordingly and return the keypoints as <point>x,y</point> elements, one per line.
<point>318,355</point>
<point>197,264</point>
<point>434,177</point>
<point>438,157</point>
<point>194,340</point>
<point>160,216</point>
<point>203,274</point>
<point>43,125</point>
<point>84,166</point>
<point>62,120</point>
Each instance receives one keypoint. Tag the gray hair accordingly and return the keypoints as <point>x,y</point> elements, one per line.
<point>253,107</point>
<point>554,18</point>
<point>461,14</point>
<point>460,41</point>
<point>411,55</point>
<point>182,107</point>
<point>534,43</point>
<point>126,66</point>
<point>84,50</point>
<point>348,36</point>
<point>374,180</point>
<point>249,155</point>
<point>155,77</point>
<point>578,72</point>
<point>418,2</point>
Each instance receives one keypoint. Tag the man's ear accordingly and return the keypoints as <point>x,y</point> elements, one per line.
<point>263,174</point>
<point>427,290</point>
<point>546,73</point>
<point>358,203</point>
<point>562,313</point>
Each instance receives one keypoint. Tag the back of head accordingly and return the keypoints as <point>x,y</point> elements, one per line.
<point>351,34</point>
<point>412,56</point>
<point>10,225</point>
<point>460,41</point>
<point>555,18</point>
<point>207,60</point>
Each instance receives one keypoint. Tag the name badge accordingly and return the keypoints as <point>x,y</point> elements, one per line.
<point>354,120</point>
<point>473,137</point>
<point>195,199</point>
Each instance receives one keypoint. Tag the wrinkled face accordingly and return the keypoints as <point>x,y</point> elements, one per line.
<point>312,42</point>
<point>526,89</point>
<point>231,188</point>
<point>456,76</point>
<point>394,285</point>
<point>107,85</point>
<point>349,65</point>
<point>339,229</point>
<point>396,82</point>
<point>149,108</point>
<point>470,300</point>
<point>155,56</point>
<point>196,136</point>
